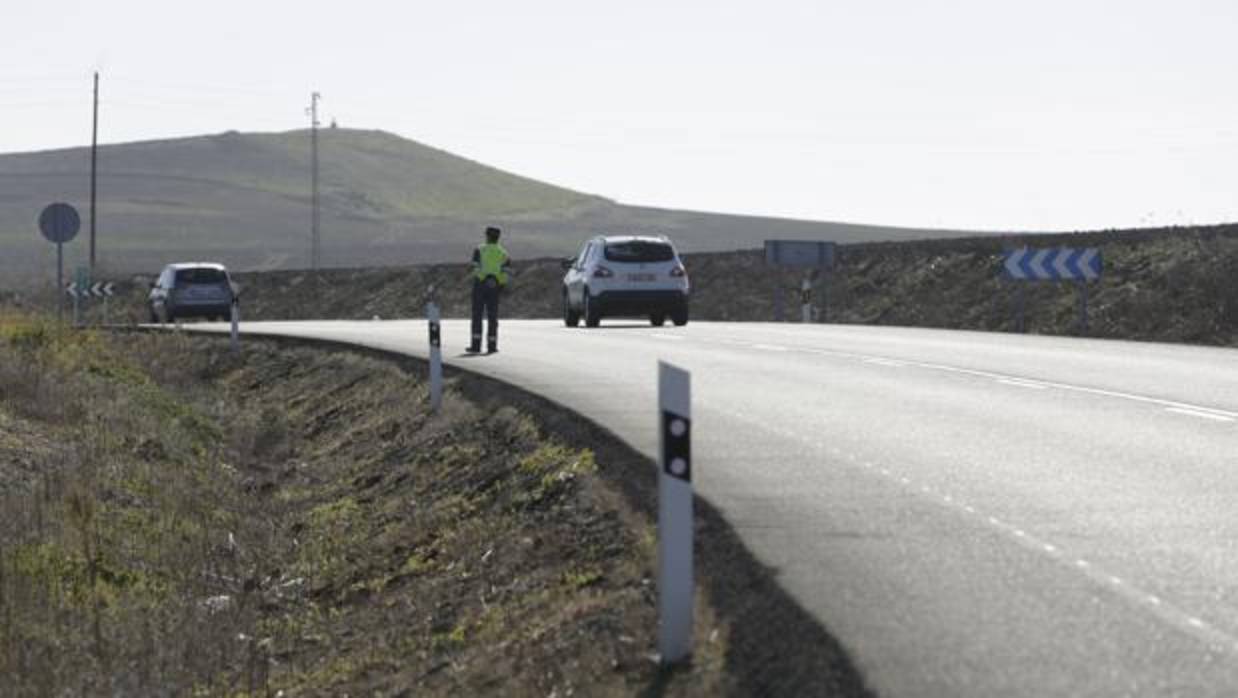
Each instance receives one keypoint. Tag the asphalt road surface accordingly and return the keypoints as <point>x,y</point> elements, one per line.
<point>970,514</point>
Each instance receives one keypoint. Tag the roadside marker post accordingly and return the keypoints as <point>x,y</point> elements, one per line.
<point>82,284</point>
<point>436,357</point>
<point>71,289</point>
<point>675,530</point>
<point>236,325</point>
<point>814,257</point>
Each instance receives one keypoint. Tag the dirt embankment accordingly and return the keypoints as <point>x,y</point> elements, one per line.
<point>175,519</point>
<point>1178,285</point>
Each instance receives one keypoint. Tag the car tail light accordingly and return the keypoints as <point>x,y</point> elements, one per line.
<point>679,272</point>
<point>602,273</point>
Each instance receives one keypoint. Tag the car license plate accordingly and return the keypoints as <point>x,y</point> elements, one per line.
<point>641,277</point>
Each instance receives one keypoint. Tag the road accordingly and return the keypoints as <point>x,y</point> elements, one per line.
<point>970,514</point>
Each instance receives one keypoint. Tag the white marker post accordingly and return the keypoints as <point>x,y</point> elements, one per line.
<point>675,556</point>
<point>77,307</point>
<point>436,358</point>
<point>236,325</point>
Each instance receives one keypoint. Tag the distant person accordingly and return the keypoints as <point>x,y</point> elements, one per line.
<point>491,266</point>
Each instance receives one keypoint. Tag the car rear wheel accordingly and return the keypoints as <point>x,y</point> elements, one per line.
<point>571,318</point>
<point>592,316</point>
<point>657,319</point>
<point>680,317</point>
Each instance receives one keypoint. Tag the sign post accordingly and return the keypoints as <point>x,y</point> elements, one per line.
<point>675,544</point>
<point>59,223</point>
<point>813,255</point>
<point>105,291</point>
<point>1054,264</point>
<point>806,300</point>
<point>436,357</point>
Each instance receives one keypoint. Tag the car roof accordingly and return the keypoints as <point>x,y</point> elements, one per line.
<point>197,265</point>
<point>635,238</point>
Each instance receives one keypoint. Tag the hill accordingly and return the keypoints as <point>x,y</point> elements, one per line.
<point>243,199</point>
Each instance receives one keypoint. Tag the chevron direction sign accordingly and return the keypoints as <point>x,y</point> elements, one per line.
<point>103,290</point>
<point>72,289</point>
<point>1053,264</point>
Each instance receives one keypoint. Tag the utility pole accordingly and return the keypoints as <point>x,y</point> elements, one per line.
<point>315,241</point>
<point>94,175</point>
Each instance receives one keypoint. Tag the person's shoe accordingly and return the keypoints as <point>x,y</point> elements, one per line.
<point>473,349</point>
<point>492,349</point>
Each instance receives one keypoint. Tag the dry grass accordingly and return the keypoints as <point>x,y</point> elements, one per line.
<point>109,554</point>
<point>178,520</point>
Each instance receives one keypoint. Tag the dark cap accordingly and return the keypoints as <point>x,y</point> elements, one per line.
<point>492,233</point>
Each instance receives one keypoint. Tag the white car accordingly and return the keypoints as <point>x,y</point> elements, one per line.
<point>191,289</point>
<point>625,276</point>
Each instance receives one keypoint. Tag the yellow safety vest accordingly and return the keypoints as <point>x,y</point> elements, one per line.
<point>491,259</point>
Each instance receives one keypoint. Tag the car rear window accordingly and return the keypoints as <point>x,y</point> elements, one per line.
<point>639,251</point>
<point>200,275</point>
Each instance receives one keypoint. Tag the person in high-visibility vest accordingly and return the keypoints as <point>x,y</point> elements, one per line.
<point>491,266</point>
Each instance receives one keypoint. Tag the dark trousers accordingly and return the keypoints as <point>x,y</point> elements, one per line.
<point>485,299</point>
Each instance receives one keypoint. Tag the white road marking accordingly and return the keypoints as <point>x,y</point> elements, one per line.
<point>1022,384</point>
<point>675,337</point>
<point>1081,389</point>
<point>1021,381</point>
<point>769,347</point>
<point>1178,618</point>
<point>1203,415</point>
<point>883,362</point>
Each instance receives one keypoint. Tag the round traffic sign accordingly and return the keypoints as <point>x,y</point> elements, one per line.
<point>59,222</point>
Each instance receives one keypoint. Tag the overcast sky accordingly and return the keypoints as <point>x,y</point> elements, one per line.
<point>986,114</point>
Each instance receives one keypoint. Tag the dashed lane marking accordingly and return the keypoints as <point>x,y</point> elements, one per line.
<point>884,362</point>
<point>1022,384</point>
<point>1152,604</point>
<point>1020,381</point>
<point>1201,414</point>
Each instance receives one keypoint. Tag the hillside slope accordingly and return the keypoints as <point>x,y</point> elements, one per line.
<point>244,199</point>
<point>1173,284</point>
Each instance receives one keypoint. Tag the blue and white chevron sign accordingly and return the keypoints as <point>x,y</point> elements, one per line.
<point>1053,264</point>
